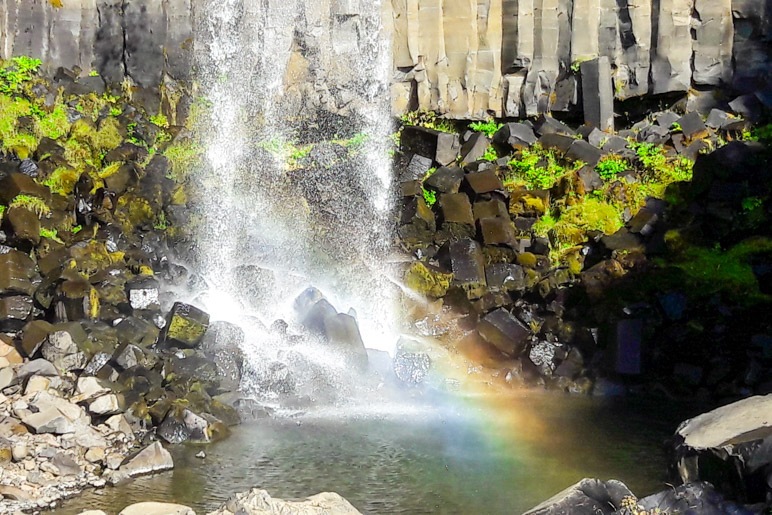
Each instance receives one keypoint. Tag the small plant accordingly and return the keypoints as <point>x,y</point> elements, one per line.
<point>676,127</point>
<point>93,73</point>
<point>55,124</point>
<point>76,229</point>
<point>183,157</point>
<point>610,166</point>
<point>160,120</point>
<point>577,64</point>
<point>2,211</point>
<point>544,224</point>
<point>31,203</point>
<point>161,223</point>
<point>430,196</point>
<point>490,154</point>
<point>17,71</point>
<point>752,203</point>
<point>489,128</point>
<point>51,234</point>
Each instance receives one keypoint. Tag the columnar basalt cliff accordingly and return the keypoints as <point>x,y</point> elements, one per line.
<point>520,57</point>
<point>505,58</point>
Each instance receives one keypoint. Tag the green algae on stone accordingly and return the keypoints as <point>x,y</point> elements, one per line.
<point>186,325</point>
<point>427,281</point>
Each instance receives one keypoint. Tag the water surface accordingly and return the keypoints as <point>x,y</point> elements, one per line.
<point>494,458</point>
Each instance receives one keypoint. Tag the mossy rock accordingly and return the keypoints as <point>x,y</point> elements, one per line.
<point>427,280</point>
<point>186,326</point>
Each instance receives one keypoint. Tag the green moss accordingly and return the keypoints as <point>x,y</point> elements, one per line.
<point>108,136</point>
<point>430,196</point>
<point>51,234</point>
<point>426,281</point>
<point>535,168</point>
<point>183,157</point>
<point>62,180</point>
<point>15,72</point>
<point>610,166</point>
<point>31,203</point>
<point>490,154</point>
<point>160,120</point>
<point>78,153</point>
<point>712,270</point>
<point>2,212</point>
<point>573,223</point>
<point>55,124</point>
<point>109,170</point>
<point>428,120</point>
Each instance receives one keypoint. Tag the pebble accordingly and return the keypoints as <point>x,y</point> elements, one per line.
<point>201,455</point>
<point>19,451</point>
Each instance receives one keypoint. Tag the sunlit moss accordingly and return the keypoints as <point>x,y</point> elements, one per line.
<point>31,203</point>
<point>55,124</point>
<point>183,157</point>
<point>573,223</point>
<point>110,170</point>
<point>62,180</point>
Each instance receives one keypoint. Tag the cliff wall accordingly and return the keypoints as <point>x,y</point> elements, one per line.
<point>463,58</point>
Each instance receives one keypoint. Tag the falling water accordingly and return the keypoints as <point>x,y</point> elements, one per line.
<point>281,76</point>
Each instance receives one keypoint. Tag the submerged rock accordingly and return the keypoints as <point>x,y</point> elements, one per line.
<point>259,502</point>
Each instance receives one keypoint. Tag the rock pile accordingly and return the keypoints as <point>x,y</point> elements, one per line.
<point>524,228</point>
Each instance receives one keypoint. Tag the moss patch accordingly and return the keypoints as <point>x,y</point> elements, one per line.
<point>426,281</point>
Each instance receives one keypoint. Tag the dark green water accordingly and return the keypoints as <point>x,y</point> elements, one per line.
<point>420,459</point>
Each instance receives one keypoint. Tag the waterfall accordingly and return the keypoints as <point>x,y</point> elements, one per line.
<point>296,190</point>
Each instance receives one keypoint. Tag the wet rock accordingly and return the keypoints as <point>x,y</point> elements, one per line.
<point>16,272</point>
<point>549,125</point>
<point>685,499</point>
<point>493,208</point>
<point>182,426</point>
<point>442,146</point>
<point>143,293</point>
<point>186,326</point>
<point>222,343</point>
<point>411,364</point>
<point>15,310</point>
<point>468,265</point>
<point>558,142</point>
<point>587,497</point>
<point>256,502</point>
<point>417,168</point>
<point>730,446</point>
<point>505,332</point>
<point>427,280</point>
<point>135,331</point>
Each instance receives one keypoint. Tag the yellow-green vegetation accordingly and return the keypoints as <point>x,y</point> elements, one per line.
<point>2,212</point>
<point>184,329</point>
<point>62,180</point>
<point>489,127</point>
<point>428,120</point>
<point>160,120</point>
<point>570,226</point>
<point>713,270</point>
<point>31,203</point>
<point>110,170</point>
<point>536,169</point>
<point>17,71</point>
<point>761,133</point>
<point>183,157</point>
<point>610,166</point>
<point>658,167</point>
<point>51,234</point>
<point>55,124</point>
<point>426,281</point>
<point>490,154</point>
<point>22,143</point>
<point>430,196</point>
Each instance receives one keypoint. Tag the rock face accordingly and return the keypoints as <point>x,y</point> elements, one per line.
<point>731,447</point>
<point>588,496</point>
<point>467,60</point>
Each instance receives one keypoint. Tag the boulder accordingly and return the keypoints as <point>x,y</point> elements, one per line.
<point>16,272</point>
<point>505,332</point>
<point>153,458</point>
<point>474,148</point>
<point>60,349</point>
<point>468,266</point>
<point>516,135</point>
<point>143,293</point>
<point>685,499</point>
<point>587,497</point>
<point>498,231</point>
<point>598,93</point>
<point>483,182</point>
<point>456,208</point>
<point>15,310</point>
<point>222,343</point>
<point>446,179</point>
<point>186,326</point>
<point>259,502</point>
<point>730,447</point>
<point>156,508</point>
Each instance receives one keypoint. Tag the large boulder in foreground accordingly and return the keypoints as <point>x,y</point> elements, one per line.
<point>259,502</point>
<point>730,447</point>
<point>698,498</point>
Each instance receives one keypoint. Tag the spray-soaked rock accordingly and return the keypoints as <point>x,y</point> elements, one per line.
<point>411,363</point>
<point>222,343</point>
<point>186,326</point>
